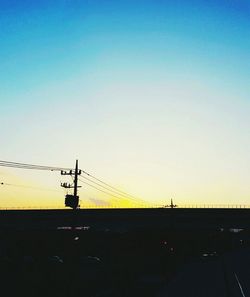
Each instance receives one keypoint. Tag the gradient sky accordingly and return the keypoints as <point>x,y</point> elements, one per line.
<point>151,96</point>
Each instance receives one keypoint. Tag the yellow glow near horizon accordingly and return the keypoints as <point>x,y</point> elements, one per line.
<point>135,91</point>
<point>194,151</point>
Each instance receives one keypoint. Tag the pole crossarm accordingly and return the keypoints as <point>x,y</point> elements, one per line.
<point>71,172</point>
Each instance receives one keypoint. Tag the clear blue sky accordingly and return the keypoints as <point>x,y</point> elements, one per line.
<point>152,96</point>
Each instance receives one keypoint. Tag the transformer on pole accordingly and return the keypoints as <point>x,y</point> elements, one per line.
<point>72,200</point>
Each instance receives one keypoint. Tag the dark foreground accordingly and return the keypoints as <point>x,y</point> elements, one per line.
<point>125,253</point>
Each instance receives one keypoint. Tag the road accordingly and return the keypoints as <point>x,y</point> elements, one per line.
<point>222,276</point>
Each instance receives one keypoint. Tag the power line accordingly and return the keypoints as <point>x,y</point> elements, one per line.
<point>99,189</point>
<point>52,168</point>
<point>115,192</point>
<point>31,166</point>
<point>111,194</point>
<point>114,188</point>
<point>108,193</point>
<point>28,187</point>
<point>111,190</point>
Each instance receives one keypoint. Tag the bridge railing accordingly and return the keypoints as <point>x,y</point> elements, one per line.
<point>234,206</point>
<point>193,206</point>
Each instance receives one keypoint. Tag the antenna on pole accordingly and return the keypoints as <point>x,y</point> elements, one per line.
<point>72,200</point>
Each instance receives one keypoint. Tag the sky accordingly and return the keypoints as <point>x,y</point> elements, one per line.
<point>150,96</point>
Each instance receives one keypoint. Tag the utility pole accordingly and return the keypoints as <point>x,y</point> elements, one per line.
<point>72,200</point>
<point>76,179</point>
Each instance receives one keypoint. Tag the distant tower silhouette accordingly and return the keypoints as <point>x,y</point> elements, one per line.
<point>171,205</point>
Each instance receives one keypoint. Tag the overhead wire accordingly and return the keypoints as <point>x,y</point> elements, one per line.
<point>98,189</point>
<point>31,166</point>
<point>94,187</point>
<point>119,198</point>
<point>112,191</point>
<point>104,187</point>
<point>114,188</point>
<point>29,187</point>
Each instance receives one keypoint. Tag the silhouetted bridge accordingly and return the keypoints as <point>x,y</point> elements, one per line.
<point>127,219</point>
